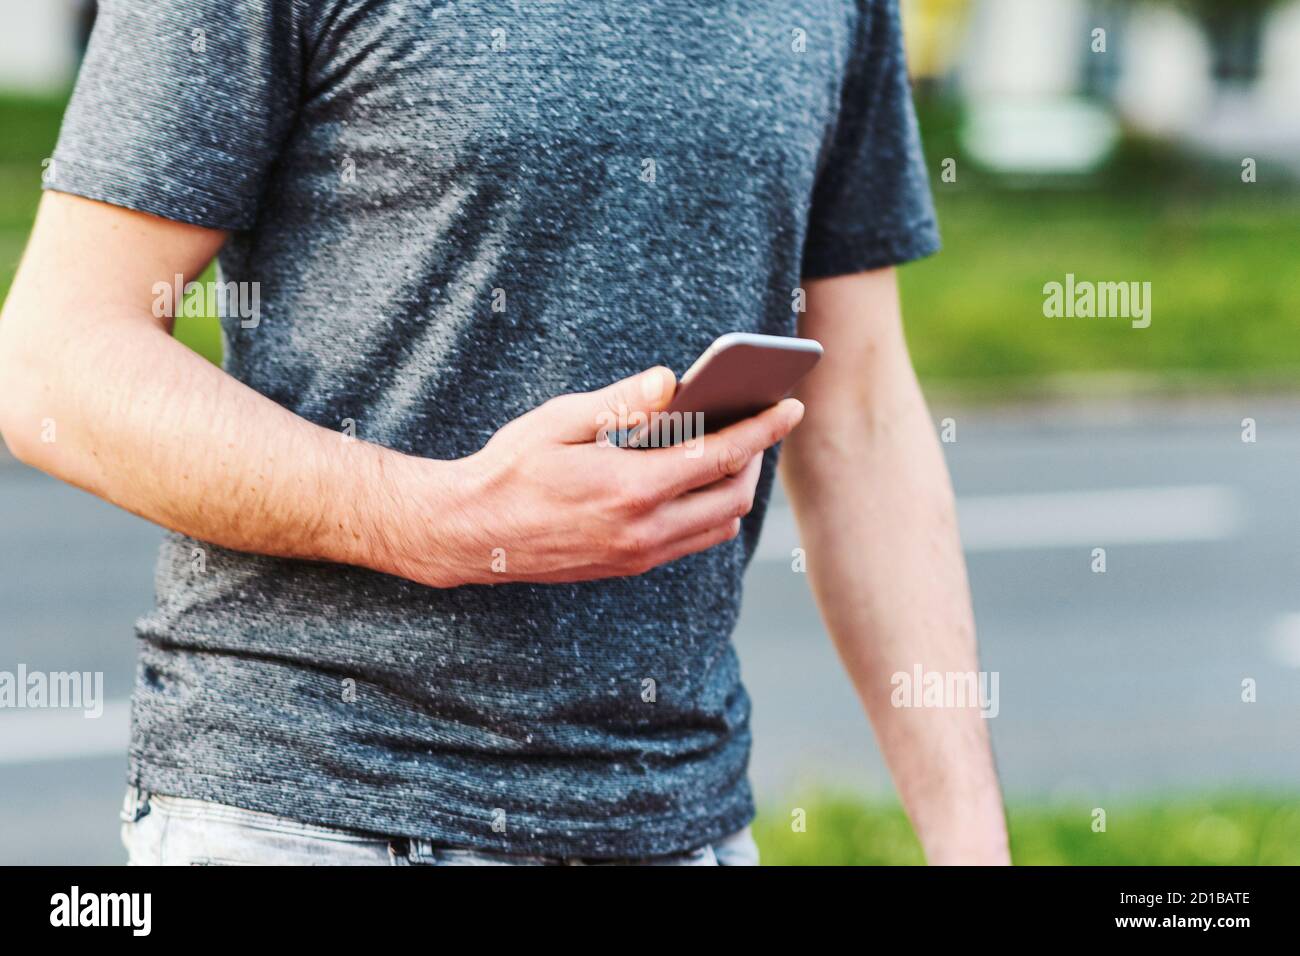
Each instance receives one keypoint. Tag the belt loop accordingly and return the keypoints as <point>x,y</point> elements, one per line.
<point>135,805</point>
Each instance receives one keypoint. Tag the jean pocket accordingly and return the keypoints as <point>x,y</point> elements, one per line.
<point>200,833</point>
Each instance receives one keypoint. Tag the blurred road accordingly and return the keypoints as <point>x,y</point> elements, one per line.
<point>1123,682</point>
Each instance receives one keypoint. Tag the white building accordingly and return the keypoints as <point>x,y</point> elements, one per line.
<point>1047,91</point>
<point>38,44</point>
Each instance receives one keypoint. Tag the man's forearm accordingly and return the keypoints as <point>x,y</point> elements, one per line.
<point>95,391</point>
<point>876,510</point>
<point>129,414</point>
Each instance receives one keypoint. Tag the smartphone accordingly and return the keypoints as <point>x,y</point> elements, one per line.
<point>739,375</point>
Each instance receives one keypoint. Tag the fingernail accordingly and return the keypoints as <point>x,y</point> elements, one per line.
<point>652,385</point>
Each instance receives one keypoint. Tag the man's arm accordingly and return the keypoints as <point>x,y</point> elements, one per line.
<point>98,393</point>
<point>876,511</point>
<point>95,391</point>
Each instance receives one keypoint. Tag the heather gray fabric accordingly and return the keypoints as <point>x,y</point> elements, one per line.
<point>632,179</point>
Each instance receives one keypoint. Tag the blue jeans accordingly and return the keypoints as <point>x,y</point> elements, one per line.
<point>178,831</point>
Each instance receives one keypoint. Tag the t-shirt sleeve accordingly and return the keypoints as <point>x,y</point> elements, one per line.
<point>181,109</point>
<point>871,205</point>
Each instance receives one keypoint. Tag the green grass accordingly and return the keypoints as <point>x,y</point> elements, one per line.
<point>1219,830</point>
<point>1220,256</point>
<point>201,333</point>
<point>1224,287</point>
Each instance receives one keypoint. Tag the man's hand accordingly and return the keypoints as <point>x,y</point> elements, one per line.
<point>547,500</point>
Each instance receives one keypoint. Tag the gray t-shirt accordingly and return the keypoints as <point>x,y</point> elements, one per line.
<point>455,211</point>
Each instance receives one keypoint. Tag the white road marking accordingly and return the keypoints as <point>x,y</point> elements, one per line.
<point>29,736</point>
<point>1068,519</point>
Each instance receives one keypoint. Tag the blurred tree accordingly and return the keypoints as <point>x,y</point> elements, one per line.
<point>933,30</point>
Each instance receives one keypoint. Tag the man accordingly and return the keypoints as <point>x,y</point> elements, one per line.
<point>409,608</point>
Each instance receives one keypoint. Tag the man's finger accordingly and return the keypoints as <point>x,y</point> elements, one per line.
<point>711,505</point>
<point>583,416</point>
<point>697,542</point>
<point>681,468</point>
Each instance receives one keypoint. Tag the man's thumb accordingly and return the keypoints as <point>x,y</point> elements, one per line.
<point>623,405</point>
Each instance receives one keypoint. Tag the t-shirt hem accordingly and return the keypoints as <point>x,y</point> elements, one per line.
<point>847,256</point>
<point>153,193</point>
<point>371,809</point>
